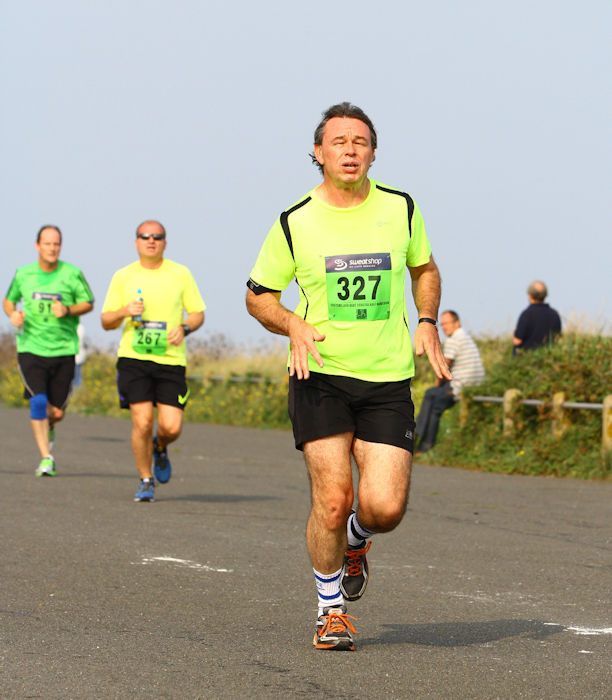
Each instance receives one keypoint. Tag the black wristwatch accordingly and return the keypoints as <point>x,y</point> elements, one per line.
<point>186,329</point>
<point>433,321</point>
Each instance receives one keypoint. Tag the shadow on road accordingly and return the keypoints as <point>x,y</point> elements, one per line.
<point>460,634</point>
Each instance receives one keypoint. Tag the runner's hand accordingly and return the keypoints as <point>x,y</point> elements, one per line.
<point>176,335</point>
<point>135,307</point>
<point>17,318</point>
<point>303,337</point>
<point>427,340</point>
<point>59,309</point>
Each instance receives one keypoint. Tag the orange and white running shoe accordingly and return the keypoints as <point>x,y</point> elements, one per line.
<point>335,630</point>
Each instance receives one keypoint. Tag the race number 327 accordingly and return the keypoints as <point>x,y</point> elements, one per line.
<point>358,286</point>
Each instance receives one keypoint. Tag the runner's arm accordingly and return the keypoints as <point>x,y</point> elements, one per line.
<point>273,316</point>
<point>61,310</point>
<point>426,290</point>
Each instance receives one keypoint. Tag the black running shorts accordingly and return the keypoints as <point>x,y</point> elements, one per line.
<point>144,380</point>
<point>325,405</point>
<point>47,375</point>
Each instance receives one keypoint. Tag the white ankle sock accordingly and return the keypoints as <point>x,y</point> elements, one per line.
<point>328,589</point>
<point>356,534</point>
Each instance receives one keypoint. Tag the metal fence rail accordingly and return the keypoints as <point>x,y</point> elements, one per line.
<point>540,402</point>
<point>560,423</point>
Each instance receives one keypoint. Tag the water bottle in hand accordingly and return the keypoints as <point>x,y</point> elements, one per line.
<point>137,320</point>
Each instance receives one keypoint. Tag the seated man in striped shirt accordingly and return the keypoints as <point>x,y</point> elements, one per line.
<point>463,357</point>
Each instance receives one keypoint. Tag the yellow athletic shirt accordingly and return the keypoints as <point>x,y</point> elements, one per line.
<point>167,292</point>
<point>350,265</point>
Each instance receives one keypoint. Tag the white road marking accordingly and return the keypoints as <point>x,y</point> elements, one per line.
<point>183,563</point>
<point>587,631</point>
<point>591,631</point>
<point>482,597</point>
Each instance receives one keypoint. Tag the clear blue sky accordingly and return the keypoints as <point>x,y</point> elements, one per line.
<point>495,116</point>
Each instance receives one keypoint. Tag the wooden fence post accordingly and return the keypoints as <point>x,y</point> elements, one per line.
<point>606,431</point>
<point>464,409</point>
<point>560,421</point>
<point>512,398</point>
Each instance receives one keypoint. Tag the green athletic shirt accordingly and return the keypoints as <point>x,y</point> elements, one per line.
<point>350,265</point>
<point>43,333</point>
<point>166,291</point>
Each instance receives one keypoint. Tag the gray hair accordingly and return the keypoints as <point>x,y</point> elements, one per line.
<point>537,290</point>
<point>150,221</point>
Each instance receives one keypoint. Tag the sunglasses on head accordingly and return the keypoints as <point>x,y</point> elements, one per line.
<point>154,236</point>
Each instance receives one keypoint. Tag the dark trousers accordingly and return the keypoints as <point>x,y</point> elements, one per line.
<point>436,401</point>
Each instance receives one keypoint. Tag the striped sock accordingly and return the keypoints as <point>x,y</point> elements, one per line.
<point>357,535</point>
<point>328,589</point>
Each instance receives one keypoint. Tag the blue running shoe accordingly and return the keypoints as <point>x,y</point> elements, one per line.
<point>162,469</point>
<point>146,491</point>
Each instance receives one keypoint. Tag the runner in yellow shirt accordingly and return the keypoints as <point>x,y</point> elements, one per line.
<point>347,244</point>
<point>150,298</point>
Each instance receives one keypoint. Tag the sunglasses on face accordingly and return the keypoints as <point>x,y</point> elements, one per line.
<point>154,236</point>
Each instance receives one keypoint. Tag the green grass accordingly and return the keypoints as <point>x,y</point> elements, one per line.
<point>579,364</point>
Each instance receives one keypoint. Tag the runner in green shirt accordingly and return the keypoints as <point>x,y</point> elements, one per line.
<point>54,294</point>
<point>149,298</point>
<point>348,243</point>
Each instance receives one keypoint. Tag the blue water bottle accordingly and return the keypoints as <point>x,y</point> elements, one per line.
<point>137,320</point>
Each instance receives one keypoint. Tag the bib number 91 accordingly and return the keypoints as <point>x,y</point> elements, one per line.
<point>42,303</point>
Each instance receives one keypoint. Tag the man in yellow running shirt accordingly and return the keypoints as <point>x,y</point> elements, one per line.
<point>348,243</point>
<point>150,298</point>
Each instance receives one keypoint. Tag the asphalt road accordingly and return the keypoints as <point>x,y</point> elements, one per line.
<point>493,586</point>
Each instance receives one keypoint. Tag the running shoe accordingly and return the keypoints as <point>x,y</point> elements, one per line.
<point>355,574</point>
<point>162,469</point>
<point>335,630</point>
<point>46,467</point>
<point>51,439</point>
<point>146,491</point>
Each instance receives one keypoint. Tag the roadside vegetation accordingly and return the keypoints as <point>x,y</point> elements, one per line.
<point>580,364</point>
